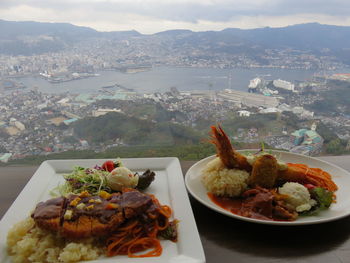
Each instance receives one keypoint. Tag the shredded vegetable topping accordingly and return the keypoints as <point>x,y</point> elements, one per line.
<point>82,179</point>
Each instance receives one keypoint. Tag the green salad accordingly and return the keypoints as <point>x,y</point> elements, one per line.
<point>112,176</point>
<point>84,179</point>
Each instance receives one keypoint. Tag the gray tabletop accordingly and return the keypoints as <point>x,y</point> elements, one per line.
<point>229,240</point>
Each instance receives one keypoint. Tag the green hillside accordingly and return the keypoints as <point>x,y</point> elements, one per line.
<point>133,131</point>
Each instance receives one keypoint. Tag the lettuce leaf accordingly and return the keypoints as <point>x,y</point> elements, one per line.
<point>324,199</point>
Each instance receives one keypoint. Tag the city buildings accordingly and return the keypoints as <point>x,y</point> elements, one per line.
<point>307,142</point>
<point>282,84</point>
<point>247,99</point>
<point>32,122</point>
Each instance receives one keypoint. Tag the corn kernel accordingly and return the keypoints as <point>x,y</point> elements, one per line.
<point>104,194</point>
<point>75,201</point>
<point>90,207</point>
<point>84,194</point>
<point>98,201</point>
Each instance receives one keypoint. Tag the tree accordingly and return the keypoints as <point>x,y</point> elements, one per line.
<point>335,147</point>
<point>3,149</point>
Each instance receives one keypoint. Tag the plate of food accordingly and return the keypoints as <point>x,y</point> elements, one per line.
<point>100,210</point>
<point>269,186</point>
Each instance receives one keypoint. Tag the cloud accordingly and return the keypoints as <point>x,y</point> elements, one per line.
<point>149,16</point>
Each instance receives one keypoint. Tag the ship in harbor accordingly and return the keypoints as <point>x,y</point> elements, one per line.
<point>270,87</point>
<point>254,85</point>
<point>67,76</point>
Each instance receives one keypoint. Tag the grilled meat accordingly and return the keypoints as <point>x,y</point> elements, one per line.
<point>48,214</point>
<point>134,203</point>
<point>82,216</point>
<point>265,204</point>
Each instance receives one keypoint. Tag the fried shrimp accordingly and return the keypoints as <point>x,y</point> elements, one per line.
<point>229,157</point>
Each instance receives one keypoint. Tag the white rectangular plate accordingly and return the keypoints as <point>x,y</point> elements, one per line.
<point>168,187</point>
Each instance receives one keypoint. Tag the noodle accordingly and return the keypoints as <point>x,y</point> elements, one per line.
<point>137,235</point>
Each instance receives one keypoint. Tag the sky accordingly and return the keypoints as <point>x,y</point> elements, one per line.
<point>151,16</point>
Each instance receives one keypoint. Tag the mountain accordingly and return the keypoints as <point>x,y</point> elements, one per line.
<point>120,34</point>
<point>313,38</point>
<point>310,36</point>
<point>34,37</point>
<point>11,29</point>
<point>175,33</point>
<point>26,38</point>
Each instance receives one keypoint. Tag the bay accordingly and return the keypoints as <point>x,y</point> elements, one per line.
<point>161,79</point>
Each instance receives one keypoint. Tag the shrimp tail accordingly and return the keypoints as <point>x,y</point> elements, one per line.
<point>229,157</point>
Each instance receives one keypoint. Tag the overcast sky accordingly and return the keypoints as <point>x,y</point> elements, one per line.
<point>150,16</point>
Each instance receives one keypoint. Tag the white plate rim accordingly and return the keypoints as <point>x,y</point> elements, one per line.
<point>189,245</point>
<point>209,204</point>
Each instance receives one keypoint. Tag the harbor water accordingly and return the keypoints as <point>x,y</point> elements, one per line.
<point>161,79</point>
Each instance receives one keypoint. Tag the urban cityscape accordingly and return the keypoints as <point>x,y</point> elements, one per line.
<point>33,122</point>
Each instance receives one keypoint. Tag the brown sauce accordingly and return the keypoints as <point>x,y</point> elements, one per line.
<point>98,210</point>
<point>258,208</point>
<point>49,209</point>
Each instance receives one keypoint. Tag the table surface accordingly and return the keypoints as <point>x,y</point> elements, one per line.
<point>226,239</point>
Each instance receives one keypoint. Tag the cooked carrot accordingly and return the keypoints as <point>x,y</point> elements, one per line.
<point>301,172</point>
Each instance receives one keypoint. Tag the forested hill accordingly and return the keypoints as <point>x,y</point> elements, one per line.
<point>117,127</point>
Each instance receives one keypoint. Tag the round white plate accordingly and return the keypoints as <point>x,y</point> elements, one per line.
<point>337,210</point>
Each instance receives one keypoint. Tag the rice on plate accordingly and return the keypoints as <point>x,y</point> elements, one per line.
<point>28,243</point>
<point>222,181</point>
